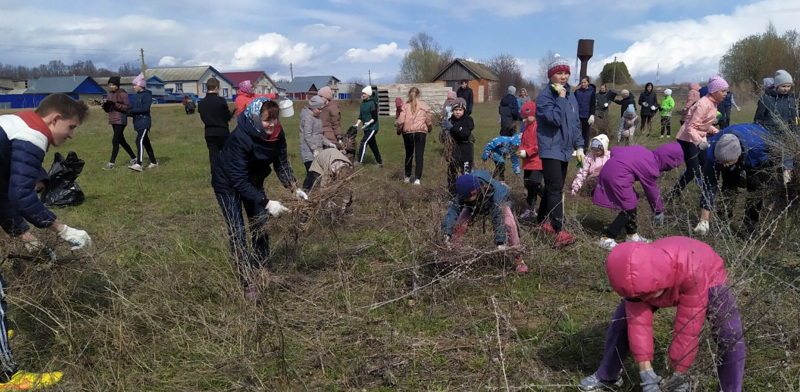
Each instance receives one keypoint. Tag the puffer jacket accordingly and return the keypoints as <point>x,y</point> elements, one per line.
<point>586,101</point>
<point>530,144</point>
<point>693,96</point>
<point>419,121</point>
<point>140,110</point>
<point>331,118</point>
<point>491,201</point>
<point>776,111</point>
<point>118,115</point>
<point>699,121</point>
<point>629,164</point>
<point>501,147</point>
<point>667,105</point>
<point>685,269</point>
<point>592,165</point>
<point>559,128</point>
<point>24,139</point>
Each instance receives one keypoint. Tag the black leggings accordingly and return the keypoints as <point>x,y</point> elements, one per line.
<point>415,145</point>
<point>626,220</point>
<point>369,140</point>
<point>532,179</point>
<point>311,177</point>
<point>646,122</point>
<point>143,143</point>
<point>554,173</point>
<point>119,140</point>
<point>694,160</point>
<point>666,124</point>
<point>585,128</point>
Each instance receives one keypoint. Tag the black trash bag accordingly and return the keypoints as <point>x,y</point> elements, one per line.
<point>61,189</point>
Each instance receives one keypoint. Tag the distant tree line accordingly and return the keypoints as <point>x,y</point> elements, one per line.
<point>758,56</point>
<point>58,68</point>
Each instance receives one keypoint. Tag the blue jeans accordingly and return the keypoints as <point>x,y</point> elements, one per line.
<point>248,260</point>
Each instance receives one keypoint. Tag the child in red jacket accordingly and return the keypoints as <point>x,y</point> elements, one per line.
<point>531,164</point>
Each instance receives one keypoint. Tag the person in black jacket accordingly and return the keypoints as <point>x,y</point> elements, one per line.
<point>649,103</point>
<point>625,99</point>
<point>465,92</point>
<point>255,148</point>
<point>461,156</point>
<point>216,115</point>
<point>509,113</point>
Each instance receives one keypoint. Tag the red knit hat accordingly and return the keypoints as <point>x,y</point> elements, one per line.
<point>528,109</point>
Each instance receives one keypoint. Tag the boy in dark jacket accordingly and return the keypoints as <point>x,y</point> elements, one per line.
<point>254,149</point>
<point>24,140</point>
<point>463,144</point>
<point>465,92</point>
<point>509,112</point>
<point>216,115</point>
<point>478,194</point>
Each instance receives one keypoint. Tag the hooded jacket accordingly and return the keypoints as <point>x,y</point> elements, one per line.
<point>699,121</point>
<point>249,156</point>
<point>629,164</point>
<point>775,111</point>
<point>592,165</point>
<point>530,144</point>
<point>509,112</point>
<point>501,147</point>
<point>667,104</point>
<point>647,100</point>
<point>559,128</point>
<point>24,139</point>
<point>685,269</point>
<point>491,201</point>
<point>140,110</point>
<point>586,101</point>
<point>693,96</point>
<point>463,139</point>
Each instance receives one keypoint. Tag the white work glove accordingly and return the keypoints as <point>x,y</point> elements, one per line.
<point>787,176</point>
<point>703,145</point>
<point>316,152</point>
<point>300,194</point>
<point>591,119</point>
<point>447,243</point>
<point>702,227</point>
<point>522,154</point>
<point>580,155</point>
<point>275,208</point>
<point>653,108</point>
<point>77,238</point>
<point>605,105</point>
<point>675,383</point>
<point>650,381</point>
<point>502,247</point>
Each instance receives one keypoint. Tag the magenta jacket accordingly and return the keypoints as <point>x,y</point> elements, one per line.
<point>685,269</point>
<point>629,164</point>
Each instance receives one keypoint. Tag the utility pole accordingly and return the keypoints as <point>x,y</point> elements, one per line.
<point>614,78</point>
<point>369,76</point>
<point>658,77</point>
<point>141,55</point>
<point>291,73</point>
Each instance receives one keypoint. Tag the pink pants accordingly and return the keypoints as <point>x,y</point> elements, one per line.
<point>512,235</point>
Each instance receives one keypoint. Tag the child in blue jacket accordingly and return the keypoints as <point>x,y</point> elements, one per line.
<point>501,148</point>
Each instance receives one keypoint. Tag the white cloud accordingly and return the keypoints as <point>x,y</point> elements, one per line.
<point>168,61</point>
<point>272,46</point>
<point>375,55</point>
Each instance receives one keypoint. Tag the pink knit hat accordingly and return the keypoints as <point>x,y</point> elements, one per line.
<point>716,83</point>
<point>451,94</point>
<point>246,87</point>
<point>139,81</point>
<point>326,93</point>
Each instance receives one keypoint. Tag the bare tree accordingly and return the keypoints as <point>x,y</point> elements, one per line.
<point>508,71</point>
<point>544,62</point>
<point>423,60</point>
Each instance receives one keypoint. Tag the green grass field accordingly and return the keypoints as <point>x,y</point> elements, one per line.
<point>354,302</point>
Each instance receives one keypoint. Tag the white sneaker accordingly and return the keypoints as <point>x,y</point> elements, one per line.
<point>135,167</point>
<point>407,180</point>
<point>416,182</point>
<point>152,166</point>
<point>606,243</point>
<point>662,136</point>
<point>637,238</point>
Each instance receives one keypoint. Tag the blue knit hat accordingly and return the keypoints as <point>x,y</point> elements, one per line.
<point>467,185</point>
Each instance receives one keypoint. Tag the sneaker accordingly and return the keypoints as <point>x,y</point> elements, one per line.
<point>563,239</point>
<point>526,214</point>
<point>132,162</point>
<point>522,268</point>
<point>547,228</point>
<point>135,167</point>
<point>252,293</point>
<point>606,243</point>
<point>662,136</point>
<point>23,380</point>
<point>636,238</point>
<point>108,166</point>
<point>380,165</point>
<point>592,383</point>
<point>407,180</point>
<point>152,166</point>
<point>416,182</point>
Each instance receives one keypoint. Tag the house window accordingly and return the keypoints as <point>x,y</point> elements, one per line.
<point>205,89</point>
<point>225,92</point>
<point>178,87</point>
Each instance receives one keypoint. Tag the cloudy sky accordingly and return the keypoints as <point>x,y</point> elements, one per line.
<point>682,40</point>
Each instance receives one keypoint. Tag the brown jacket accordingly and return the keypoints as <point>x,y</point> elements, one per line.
<point>331,121</point>
<point>419,121</point>
<point>118,115</point>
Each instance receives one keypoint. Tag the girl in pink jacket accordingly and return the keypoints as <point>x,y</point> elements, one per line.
<point>692,136</point>
<point>671,272</point>
<point>592,164</point>
<point>414,123</point>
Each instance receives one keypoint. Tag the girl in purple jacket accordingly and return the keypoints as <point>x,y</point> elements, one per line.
<point>615,186</point>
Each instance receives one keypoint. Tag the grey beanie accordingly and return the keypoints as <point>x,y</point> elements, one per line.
<point>782,77</point>
<point>512,90</point>
<point>728,148</point>
<point>316,102</point>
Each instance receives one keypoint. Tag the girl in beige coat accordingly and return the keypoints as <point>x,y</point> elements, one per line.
<point>414,123</point>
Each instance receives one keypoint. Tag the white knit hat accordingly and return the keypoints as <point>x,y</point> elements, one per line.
<point>367,90</point>
<point>668,92</point>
